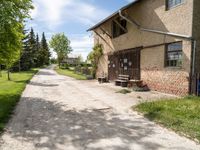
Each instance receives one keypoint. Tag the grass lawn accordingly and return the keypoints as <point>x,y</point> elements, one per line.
<point>70,73</point>
<point>10,92</point>
<point>182,115</point>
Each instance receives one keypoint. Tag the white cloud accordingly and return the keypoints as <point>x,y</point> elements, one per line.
<point>55,12</point>
<point>81,44</point>
<point>51,15</point>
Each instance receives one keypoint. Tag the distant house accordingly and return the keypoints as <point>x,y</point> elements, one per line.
<point>157,41</point>
<point>71,61</point>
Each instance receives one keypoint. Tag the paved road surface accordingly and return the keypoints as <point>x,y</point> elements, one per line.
<point>60,113</point>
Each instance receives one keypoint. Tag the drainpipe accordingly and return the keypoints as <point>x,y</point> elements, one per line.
<point>194,56</point>
<point>194,83</point>
<point>128,20</point>
<point>192,68</point>
<point>150,30</point>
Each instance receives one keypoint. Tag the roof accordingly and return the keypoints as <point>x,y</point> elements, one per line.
<point>115,13</point>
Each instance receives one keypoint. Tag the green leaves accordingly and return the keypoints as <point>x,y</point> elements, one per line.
<point>61,45</point>
<point>95,55</point>
<point>12,16</point>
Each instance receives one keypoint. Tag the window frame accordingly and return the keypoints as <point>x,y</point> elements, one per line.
<point>120,30</point>
<point>167,52</point>
<point>169,8</point>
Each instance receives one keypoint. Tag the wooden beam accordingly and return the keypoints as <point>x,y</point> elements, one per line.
<point>105,32</point>
<point>124,29</point>
<point>103,40</point>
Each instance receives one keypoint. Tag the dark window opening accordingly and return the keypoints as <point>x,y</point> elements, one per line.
<point>173,3</point>
<point>119,27</point>
<point>174,55</point>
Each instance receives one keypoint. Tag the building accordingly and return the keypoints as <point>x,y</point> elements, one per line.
<point>71,61</point>
<point>157,41</point>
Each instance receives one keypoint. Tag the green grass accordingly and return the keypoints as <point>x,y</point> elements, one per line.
<point>181,115</point>
<point>10,92</point>
<point>70,73</point>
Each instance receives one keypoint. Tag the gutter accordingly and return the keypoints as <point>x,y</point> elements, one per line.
<point>150,30</point>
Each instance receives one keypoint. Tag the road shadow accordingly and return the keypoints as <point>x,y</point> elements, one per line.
<point>42,84</point>
<point>45,73</point>
<point>48,124</point>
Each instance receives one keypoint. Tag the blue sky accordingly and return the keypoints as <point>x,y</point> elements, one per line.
<point>72,17</point>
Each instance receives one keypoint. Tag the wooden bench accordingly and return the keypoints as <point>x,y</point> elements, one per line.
<point>122,80</point>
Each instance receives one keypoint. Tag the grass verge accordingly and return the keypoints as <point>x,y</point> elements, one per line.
<point>10,93</point>
<point>70,73</point>
<point>181,115</point>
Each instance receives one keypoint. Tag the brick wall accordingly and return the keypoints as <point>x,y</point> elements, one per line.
<point>167,81</point>
<point>162,79</point>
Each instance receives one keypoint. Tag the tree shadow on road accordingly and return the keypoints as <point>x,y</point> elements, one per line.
<point>45,73</point>
<point>52,125</point>
<point>42,84</point>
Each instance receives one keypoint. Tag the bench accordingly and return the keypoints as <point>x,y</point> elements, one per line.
<point>102,79</point>
<point>122,80</point>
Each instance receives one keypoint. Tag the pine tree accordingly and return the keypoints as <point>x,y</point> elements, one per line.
<point>44,51</point>
<point>32,47</point>
<point>37,52</point>
<point>25,54</point>
<point>28,52</point>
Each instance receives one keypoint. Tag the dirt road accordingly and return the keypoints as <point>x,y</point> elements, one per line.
<point>60,113</point>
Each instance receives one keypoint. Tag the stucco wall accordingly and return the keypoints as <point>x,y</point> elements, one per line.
<point>153,15</point>
<point>102,69</point>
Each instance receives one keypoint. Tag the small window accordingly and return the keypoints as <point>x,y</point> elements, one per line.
<point>173,3</point>
<point>174,55</point>
<point>119,27</point>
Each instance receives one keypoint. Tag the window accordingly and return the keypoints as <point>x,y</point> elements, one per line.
<point>172,3</point>
<point>173,55</point>
<point>119,27</point>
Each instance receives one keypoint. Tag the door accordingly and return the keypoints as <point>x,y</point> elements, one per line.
<point>126,63</point>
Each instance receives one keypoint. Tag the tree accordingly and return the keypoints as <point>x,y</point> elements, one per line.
<point>32,48</point>
<point>24,53</point>
<point>28,52</point>
<point>94,57</point>
<point>12,16</point>
<point>61,45</point>
<point>80,59</point>
<point>44,51</point>
<point>37,53</point>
